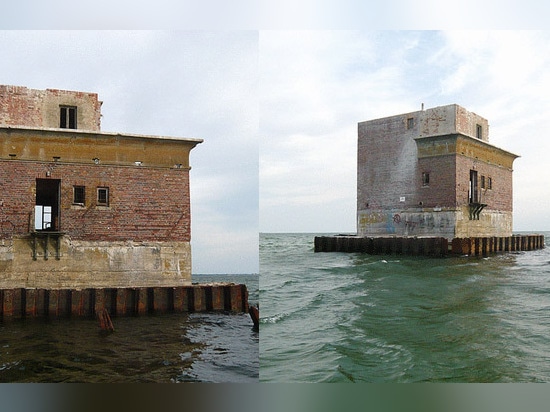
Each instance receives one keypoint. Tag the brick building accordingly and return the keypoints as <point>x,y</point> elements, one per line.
<point>84,208</point>
<point>432,173</point>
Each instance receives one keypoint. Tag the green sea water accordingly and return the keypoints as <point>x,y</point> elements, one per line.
<point>348,317</point>
<point>168,348</point>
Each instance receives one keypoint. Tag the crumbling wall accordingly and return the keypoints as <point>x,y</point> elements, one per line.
<point>21,106</point>
<point>84,264</point>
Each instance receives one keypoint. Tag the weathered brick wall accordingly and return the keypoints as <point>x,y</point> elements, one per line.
<point>146,204</point>
<point>141,239</point>
<point>451,119</point>
<point>500,197</point>
<point>20,106</point>
<point>393,154</point>
<point>440,191</point>
<point>387,167</point>
<point>466,123</point>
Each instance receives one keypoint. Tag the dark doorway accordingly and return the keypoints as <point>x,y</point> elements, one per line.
<point>48,195</point>
<point>473,192</point>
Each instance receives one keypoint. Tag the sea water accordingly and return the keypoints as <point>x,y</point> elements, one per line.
<point>196,347</point>
<point>351,317</point>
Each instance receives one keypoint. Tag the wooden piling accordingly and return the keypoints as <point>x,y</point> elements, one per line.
<point>217,299</point>
<point>105,322</point>
<point>428,246</point>
<point>181,300</point>
<point>53,303</point>
<point>199,300</point>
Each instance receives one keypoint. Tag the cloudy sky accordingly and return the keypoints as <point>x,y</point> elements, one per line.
<point>176,83</point>
<point>315,86</point>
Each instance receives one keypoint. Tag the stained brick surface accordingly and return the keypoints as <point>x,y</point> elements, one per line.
<point>144,204</point>
<point>395,152</point>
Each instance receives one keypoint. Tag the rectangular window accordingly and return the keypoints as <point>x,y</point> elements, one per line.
<point>410,123</point>
<point>479,131</point>
<point>425,179</point>
<point>67,117</point>
<point>473,190</point>
<point>103,196</point>
<point>79,195</point>
<point>483,182</point>
<point>489,183</point>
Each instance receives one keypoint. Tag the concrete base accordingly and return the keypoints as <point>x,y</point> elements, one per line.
<point>433,222</point>
<point>55,261</point>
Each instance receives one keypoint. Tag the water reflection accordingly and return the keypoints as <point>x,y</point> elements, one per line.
<point>160,348</point>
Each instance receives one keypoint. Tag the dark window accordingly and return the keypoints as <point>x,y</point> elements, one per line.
<point>489,183</point>
<point>483,182</point>
<point>479,131</point>
<point>67,117</point>
<point>425,179</point>
<point>79,195</point>
<point>410,123</point>
<point>103,196</point>
<point>473,190</point>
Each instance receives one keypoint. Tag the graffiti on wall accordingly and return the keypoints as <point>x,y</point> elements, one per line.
<point>396,220</point>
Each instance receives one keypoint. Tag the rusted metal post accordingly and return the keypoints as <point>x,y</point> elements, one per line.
<point>218,302</point>
<point>199,299</point>
<point>105,322</point>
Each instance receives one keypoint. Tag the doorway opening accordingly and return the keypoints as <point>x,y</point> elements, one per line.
<point>48,198</point>
<point>473,195</point>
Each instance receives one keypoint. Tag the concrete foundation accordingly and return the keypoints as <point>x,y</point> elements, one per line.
<point>52,261</point>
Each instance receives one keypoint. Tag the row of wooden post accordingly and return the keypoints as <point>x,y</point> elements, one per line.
<point>428,246</point>
<point>483,246</point>
<point>53,303</point>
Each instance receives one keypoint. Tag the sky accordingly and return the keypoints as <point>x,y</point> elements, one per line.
<point>197,84</point>
<point>315,86</point>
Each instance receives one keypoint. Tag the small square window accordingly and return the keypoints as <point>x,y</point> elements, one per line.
<point>103,196</point>
<point>79,195</point>
<point>410,123</point>
<point>67,117</point>
<point>425,179</point>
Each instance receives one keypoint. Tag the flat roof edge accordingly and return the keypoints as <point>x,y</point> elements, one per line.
<point>102,133</point>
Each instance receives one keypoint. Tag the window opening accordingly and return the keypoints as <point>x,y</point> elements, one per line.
<point>483,182</point>
<point>103,196</point>
<point>479,131</point>
<point>473,195</point>
<point>79,195</point>
<point>67,117</point>
<point>46,212</point>
<point>489,183</point>
<point>410,123</point>
<point>425,179</point>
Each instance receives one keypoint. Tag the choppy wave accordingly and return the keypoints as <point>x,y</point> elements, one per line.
<point>336,317</point>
